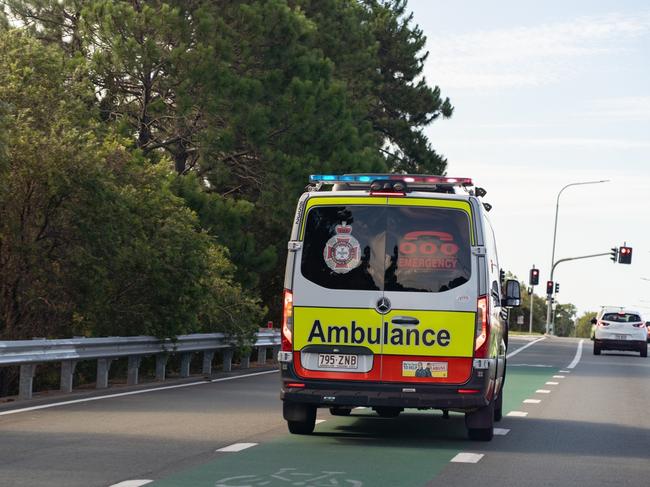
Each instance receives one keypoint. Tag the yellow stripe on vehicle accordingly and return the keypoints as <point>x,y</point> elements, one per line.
<point>439,333</point>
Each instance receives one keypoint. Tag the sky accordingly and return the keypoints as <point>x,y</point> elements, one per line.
<point>547,94</point>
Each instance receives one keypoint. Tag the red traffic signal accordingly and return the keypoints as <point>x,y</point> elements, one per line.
<point>625,255</point>
<point>534,277</point>
<point>549,287</point>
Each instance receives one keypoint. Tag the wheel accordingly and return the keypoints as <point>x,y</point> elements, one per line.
<point>340,411</point>
<point>480,423</point>
<point>644,350</point>
<point>480,434</point>
<point>301,427</point>
<point>596,349</point>
<point>498,406</point>
<point>388,412</point>
<point>301,418</point>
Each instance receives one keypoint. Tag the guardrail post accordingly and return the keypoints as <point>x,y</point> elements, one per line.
<point>208,355</point>
<point>26,381</point>
<point>103,368</point>
<point>186,359</point>
<point>67,374</point>
<point>161,365</point>
<point>261,355</point>
<point>134,367</point>
<point>245,361</point>
<point>227,359</point>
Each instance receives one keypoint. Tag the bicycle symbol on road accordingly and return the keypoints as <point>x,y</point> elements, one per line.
<point>291,476</point>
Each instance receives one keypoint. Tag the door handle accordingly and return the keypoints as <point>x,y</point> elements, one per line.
<point>405,320</point>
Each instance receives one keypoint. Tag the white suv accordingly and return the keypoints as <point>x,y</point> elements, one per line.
<point>619,329</point>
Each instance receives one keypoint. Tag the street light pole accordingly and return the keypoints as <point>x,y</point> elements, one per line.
<point>557,208</point>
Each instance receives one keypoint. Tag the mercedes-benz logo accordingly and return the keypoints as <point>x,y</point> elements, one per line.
<point>383,306</point>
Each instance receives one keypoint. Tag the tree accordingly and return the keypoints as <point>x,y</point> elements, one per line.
<point>92,239</point>
<point>583,324</point>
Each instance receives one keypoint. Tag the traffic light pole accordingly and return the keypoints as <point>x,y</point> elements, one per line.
<point>549,305</point>
<point>532,300</point>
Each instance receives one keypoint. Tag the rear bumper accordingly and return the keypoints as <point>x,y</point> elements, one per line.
<point>331,393</point>
<point>623,345</point>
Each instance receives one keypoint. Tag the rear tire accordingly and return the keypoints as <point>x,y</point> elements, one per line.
<point>644,350</point>
<point>340,411</point>
<point>498,406</point>
<point>480,423</point>
<point>596,349</point>
<point>301,418</point>
<point>301,427</point>
<point>388,412</point>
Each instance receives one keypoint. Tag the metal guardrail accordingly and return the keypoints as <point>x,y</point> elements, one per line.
<point>29,353</point>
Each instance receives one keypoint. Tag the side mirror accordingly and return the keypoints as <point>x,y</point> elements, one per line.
<point>594,321</point>
<point>513,294</point>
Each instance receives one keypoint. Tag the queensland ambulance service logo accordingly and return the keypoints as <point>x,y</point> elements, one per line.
<point>342,252</point>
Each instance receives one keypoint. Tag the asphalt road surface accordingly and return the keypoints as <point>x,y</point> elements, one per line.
<point>570,419</point>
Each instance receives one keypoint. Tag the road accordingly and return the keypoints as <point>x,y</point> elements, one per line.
<point>590,427</point>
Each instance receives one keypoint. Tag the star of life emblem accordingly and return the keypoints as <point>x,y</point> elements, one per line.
<point>342,252</point>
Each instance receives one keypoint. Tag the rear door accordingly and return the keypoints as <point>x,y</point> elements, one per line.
<point>337,285</point>
<point>431,285</point>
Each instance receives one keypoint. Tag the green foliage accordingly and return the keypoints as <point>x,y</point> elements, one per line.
<point>583,324</point>
<point>92,239</point>
<point>243,100</point>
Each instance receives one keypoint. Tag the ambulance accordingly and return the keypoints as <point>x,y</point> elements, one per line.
<point>394,299</point>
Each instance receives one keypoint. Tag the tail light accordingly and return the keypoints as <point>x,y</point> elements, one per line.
<point>287,322</point>
<point>637,325</point>
<point>602,323</point>
<point>482,330</point>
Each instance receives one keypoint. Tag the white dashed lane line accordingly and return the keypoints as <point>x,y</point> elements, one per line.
<point>319,421</point>
<point>565,371</point>
<point>551,383</point>
<point>558,377</point>
<point>532,401</point>
<point>132,483</point>
<point>543,391</point>
<point>467,458</point>
<point>517,414</point>
<point>501,431</point>
<point>236,447</point>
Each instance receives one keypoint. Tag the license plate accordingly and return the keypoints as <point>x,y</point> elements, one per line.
<point>338,361</point>
<point>621,337</point>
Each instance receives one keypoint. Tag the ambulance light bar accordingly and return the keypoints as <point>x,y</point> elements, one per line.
<point>407,178</point>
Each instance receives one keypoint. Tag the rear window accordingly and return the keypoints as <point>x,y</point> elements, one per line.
<point>394,248</point>
<point>621,318</point>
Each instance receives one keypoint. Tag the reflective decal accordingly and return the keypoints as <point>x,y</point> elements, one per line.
<point>428,250</point>
<point>342,252</point>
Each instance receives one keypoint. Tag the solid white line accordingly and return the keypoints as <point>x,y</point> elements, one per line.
<point>319,421</point>
<point>515,352</point>
<point>543,391</point>
<point>131,393</point>
<point>132,483</point>
<point>558,377</point>
<point>517,414</point>
<point>576,359</point>
<point>501,431</point>
<point>532,401</point>
<point>235,447</point>
<point>550,383</point>
<point>467,458</point>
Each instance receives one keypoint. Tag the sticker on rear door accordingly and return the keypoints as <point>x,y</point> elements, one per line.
<point>342,252</point>
<point>424,369</point>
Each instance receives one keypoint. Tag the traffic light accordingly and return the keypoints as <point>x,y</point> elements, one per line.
<point>549,287</point>
<point>614,254</point>
<point>625,255</point>
<point>534,277</point>
<point>502,275</point>
<point>557,287</point>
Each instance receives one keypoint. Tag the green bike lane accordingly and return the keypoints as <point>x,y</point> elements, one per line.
<point>364,449</point>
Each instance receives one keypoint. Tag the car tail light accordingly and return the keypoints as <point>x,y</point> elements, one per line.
<point>482,330</point>
<point>287,322</point>
<point>602,323</point>
<point>637,325</point>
